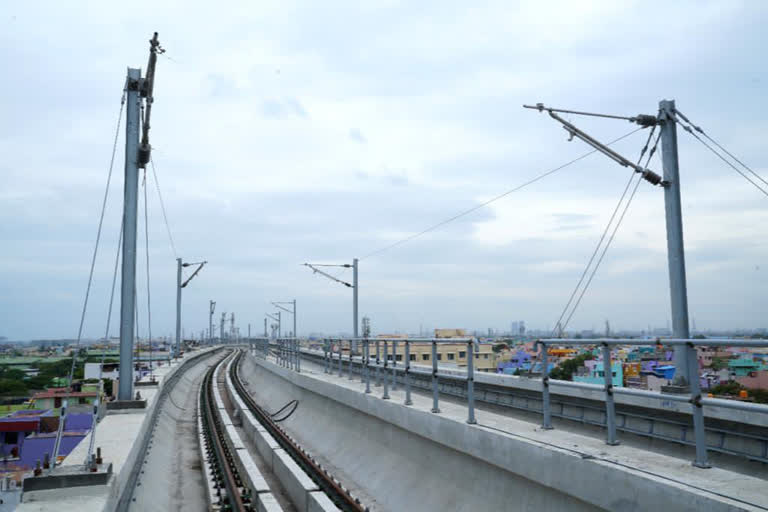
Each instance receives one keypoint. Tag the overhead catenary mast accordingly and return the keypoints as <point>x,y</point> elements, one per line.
<point>139,91</point>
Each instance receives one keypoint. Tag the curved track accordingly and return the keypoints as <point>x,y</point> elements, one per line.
<point>231,492</point>
<point>339,495</point>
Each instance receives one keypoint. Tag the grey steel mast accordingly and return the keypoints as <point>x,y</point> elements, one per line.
<point>179,286</point>
<point>678,288</point>
<point>130,205</point>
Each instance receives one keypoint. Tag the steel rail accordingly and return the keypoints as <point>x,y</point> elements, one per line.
<point>329,485</point>
<point>237,496</point>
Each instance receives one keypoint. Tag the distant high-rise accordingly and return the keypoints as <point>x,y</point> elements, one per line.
<point>521,328</point>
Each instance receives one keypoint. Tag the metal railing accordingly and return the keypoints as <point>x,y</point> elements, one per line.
<point>382,368</point>
<point>385,374</point>
<point>694,397</point>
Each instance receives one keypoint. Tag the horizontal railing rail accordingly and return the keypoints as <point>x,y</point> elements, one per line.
<point>694,396</point>
<point>382,368</point>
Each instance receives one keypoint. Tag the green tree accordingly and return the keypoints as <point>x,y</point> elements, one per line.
<point>12,387</point>
<point>566,369</point>
<point>727,388</point>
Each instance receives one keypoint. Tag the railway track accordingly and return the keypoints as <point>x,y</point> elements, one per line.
<point>229,488</point>
<point>234,483</point>
<point>332,487</point>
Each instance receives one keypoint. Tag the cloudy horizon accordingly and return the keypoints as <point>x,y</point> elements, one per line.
<point>292,132</point>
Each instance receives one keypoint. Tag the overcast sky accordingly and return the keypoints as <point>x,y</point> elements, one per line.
<point>287,132</point>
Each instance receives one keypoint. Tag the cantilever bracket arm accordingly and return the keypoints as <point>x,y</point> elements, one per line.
<point>200,266</point>
<point>329,276</point>
<point>278,306</point>
<point>648,175</point>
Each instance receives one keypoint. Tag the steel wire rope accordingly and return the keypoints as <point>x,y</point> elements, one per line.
<point>106,339</point>
<point>149,293</point>
<point>721,157</point>
<point>613,234</point>
<point>90,273</point>
<point>162,207</point>
<point>700,130</point>
<point>605,232</point>
<point>493,199</point>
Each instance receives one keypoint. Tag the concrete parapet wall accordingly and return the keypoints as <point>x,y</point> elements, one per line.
<point>404,456</point>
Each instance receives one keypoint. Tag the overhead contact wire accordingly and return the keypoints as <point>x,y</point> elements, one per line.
<point>492,200</point>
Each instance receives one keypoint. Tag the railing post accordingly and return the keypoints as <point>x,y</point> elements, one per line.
<point>341,352</point>
<point>406,376</point>
<point>698,414</point>
<point>394,366</point>
<point>385,396</point>
<point>326,349</point>
<point>362,363</point>
<point>378,362</point>
<point>435,404</point>
<point>351,344</point>
<point>298,356</point>
<point>547,423</point>
<point>610,408</point>
<point>367,350</point>
<point>471,383</point>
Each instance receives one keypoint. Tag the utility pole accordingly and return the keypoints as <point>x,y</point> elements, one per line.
<point>179,286</point>
<point>177,347</point>
<point>212,308</point>
<point>265,327</point>
<point>249,331</point>
<point>130,205</point>
<point>670,182</point>
<point>675,246</point>
<point>232,327</point>
<point>354,286</point>
<point>221,330</point>
<point>291,311</point>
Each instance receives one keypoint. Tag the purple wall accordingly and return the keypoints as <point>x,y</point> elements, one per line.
<point>78,422</point>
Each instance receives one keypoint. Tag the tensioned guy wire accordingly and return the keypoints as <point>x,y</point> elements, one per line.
<point>162,207</point>
<point>613,234</point>
<point>602,237</point>
<point>690,127</point>
<point>93,265</point>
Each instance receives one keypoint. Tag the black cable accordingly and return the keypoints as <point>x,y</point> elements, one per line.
<point>496,198</point>
<point>294,403</point>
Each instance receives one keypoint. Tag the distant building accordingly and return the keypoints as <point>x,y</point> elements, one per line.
<point>447,354</point>
<point>450,333</point>
<point>53,398</point>
<point>592,373</point>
